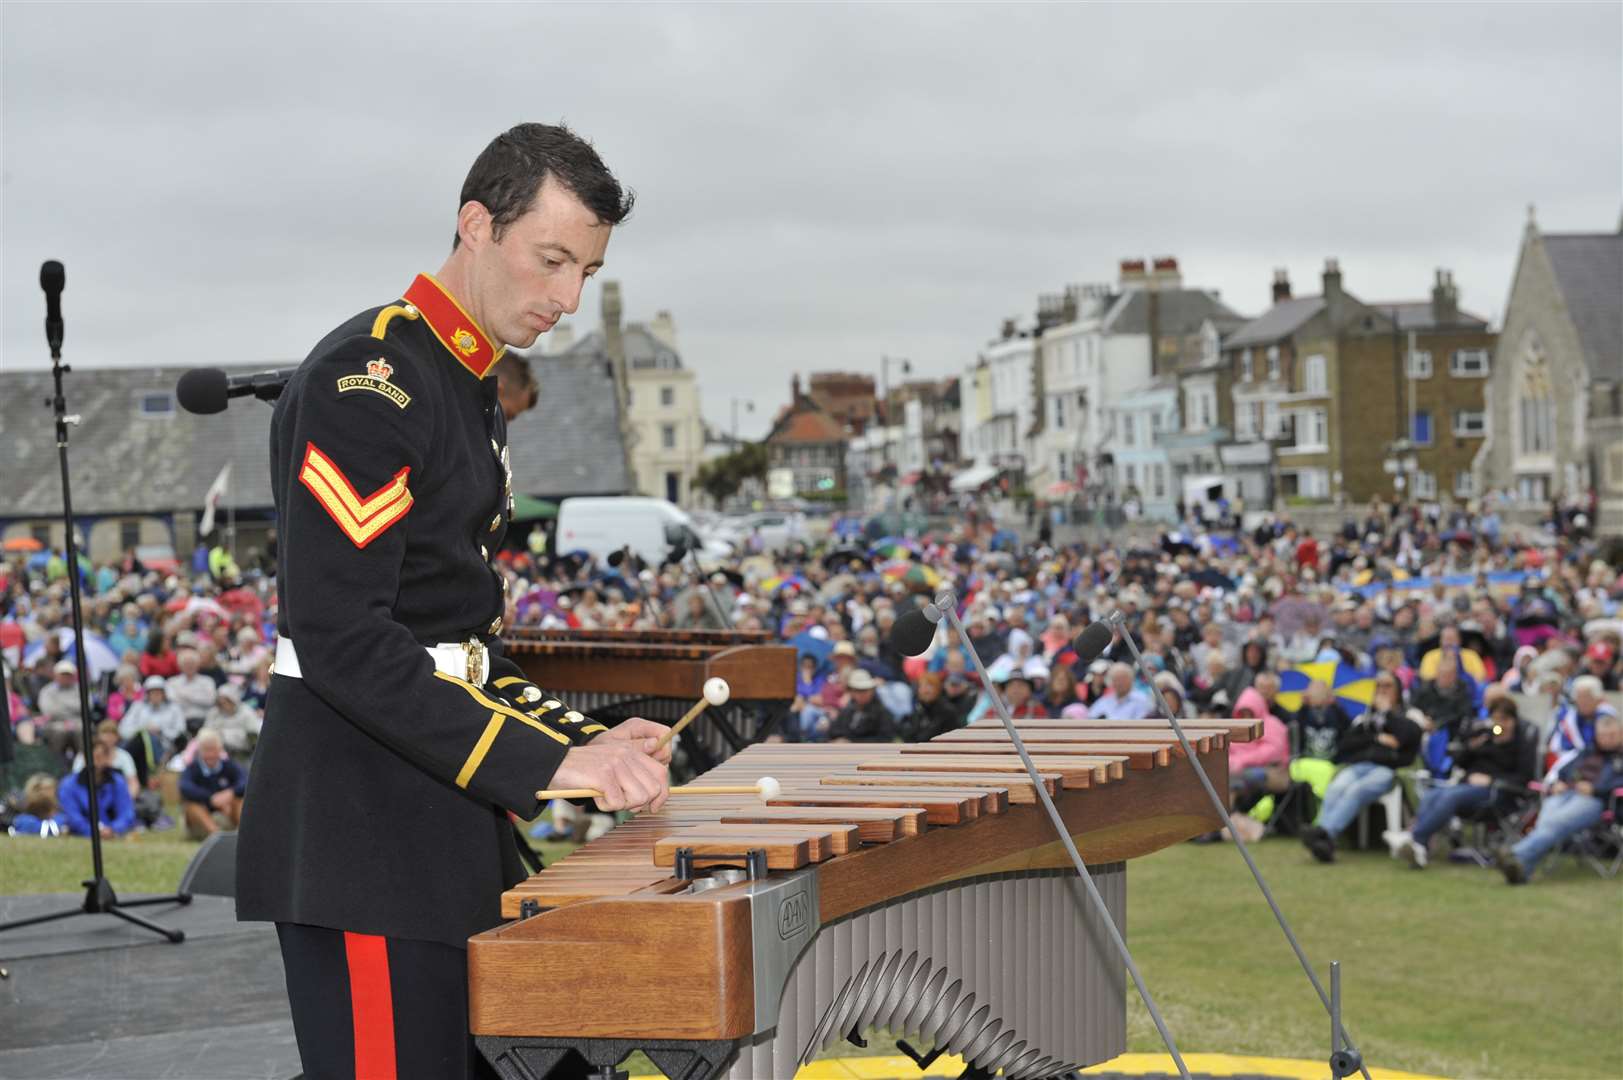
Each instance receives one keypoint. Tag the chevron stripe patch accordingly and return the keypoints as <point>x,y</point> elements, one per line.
<point>362,519</point>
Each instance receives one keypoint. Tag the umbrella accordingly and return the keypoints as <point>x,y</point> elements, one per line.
<point>1213,578</point>
<point>99,656</point>
<point>527,508</point>
<point>808,644</point>
<point>1294,613</point>
<point>838,585</point>
<point>841,558</point>
<point>1059,489</point>
<point>22,543</point>
<point>791,581</point>
<point>1354,687</point>
<point>923,576</point>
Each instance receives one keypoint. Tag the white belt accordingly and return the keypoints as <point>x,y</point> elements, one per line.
<point>465,660</point>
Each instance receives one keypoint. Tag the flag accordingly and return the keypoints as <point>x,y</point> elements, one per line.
<point>211,500</point>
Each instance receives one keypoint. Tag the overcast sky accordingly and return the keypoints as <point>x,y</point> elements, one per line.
<point>817,185</point>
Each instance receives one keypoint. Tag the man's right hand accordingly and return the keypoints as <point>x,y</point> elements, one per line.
<point>628,778</point>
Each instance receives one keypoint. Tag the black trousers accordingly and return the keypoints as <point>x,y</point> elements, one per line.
<point>377,1008</point>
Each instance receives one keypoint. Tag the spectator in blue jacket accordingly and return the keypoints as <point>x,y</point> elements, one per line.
<point>41,816</point>
<point>113,804</point>
<point>1575,802</point>
<point>211,784</point>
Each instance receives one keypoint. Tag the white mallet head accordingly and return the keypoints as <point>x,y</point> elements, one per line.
<point>768,788</point>
<point>716,691</point>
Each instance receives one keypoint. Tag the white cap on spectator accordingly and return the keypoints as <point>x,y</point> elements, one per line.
<point>154,682</point>
<point>860,679</point>
<point>65,667</point>
<point>1035,669</point>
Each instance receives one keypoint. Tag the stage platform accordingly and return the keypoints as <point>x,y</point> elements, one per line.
<point>94,997</point>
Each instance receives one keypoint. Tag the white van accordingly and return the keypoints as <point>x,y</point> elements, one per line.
<point>651,527</point>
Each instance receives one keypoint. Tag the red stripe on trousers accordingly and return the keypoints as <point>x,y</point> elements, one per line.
<point>371,1005</point>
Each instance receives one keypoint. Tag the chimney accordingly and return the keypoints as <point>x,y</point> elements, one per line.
<point>1071,305</point>
<point>1445,300</point>
<point>1282,285</point>
<point>794,388</point>
<point>1132,274</point>
<point>1166,275</point>
<point>560,338</point>
<point>664,328</point>
<point>1008,329</point>
<point>1334,298</point>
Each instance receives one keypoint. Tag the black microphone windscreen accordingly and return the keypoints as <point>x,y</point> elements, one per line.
<point>912,633</point>
<point>1091,642</point>
<point>52,277</point>
<point>202,390</point>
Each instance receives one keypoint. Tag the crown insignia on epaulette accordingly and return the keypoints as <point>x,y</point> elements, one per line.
<point>380,368</point>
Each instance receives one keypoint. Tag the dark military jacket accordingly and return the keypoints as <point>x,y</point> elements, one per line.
<point>377,798</point>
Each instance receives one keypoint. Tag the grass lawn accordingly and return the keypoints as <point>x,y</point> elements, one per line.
<point>1448,972</point>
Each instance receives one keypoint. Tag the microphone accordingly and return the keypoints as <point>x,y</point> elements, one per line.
<point>1092,641</point>
<point>52,278</point>
<point>206,390</point>
<point>914,630</point>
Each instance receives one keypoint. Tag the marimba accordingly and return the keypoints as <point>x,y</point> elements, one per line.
<point>613,674</point>
<point>914,888</point>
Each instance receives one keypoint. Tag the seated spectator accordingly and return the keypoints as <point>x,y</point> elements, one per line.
<point>1575,723</point>
<point>192,692</point>
<point>933,714</point>
<point>126,691</point>
<point>212,784</point>
<point>41,815</point>
<point>1252,765</point>
<point>247,651</point>
<point>1378,743</point>
<point>115,809</point>
<point>208,664</point>
<point>1488,757</point>
<point>1172,693</point>
<point>1451,653</point>
<point>1060,694</point>
<point>1019,688</point>
<point>152,725</point>
<point>59,714</point>
<point>1446,700</point>
<point>959,694</point>
<point>1121,700</point>
<point>1096,684</point>
<point>864,718</point>
<point>1319,723</point>
<point>256,690</point>
<point>1573,803</point>
<point>1519,676</point>
<point>1600,662</point>
<point>237,723</point>
<point>158,658</point>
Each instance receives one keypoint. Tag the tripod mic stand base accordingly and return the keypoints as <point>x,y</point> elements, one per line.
<point>101,900</point>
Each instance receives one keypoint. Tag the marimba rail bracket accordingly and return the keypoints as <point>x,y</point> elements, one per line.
<point>754,861</point>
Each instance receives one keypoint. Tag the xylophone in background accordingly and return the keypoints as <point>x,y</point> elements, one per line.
<point>914,888</point>
<point>615,674</point>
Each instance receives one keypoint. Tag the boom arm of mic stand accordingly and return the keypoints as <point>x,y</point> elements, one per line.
<point>1115,619</point>
<point>949,609</point>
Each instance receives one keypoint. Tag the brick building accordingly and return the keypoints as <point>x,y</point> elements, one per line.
<point>1322,380</point>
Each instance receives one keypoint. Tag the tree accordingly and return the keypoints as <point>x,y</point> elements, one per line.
<point>721,478</point>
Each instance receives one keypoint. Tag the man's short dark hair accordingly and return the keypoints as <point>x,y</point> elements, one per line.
<point>506,178</point>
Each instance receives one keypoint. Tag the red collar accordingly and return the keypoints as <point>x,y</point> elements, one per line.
<point>455,328</point>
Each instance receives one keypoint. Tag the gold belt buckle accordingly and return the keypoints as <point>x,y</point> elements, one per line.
<point>474,650</point>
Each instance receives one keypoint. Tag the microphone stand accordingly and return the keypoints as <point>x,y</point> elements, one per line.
<point>1345,1058</point>
<point>947,604</point>
<point>100,899</point>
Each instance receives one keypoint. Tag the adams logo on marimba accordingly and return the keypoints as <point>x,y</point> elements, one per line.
<point>794,917</point>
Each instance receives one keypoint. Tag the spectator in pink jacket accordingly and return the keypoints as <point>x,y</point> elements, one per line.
<point>1251,762</point>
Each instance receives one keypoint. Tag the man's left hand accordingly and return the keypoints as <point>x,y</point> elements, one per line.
<point>647,732</point>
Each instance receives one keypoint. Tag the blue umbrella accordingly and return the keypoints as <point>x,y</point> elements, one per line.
<point>807,644</point>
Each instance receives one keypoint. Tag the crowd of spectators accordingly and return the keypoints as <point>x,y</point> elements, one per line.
<point>1407,647</point>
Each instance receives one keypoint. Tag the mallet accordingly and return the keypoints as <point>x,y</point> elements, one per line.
<point>716,692</point>
<point>766,788</point>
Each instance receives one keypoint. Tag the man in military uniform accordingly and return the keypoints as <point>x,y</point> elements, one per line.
<point>397,737</point>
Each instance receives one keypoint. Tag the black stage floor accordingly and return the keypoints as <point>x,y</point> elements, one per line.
<point>94,997</point>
